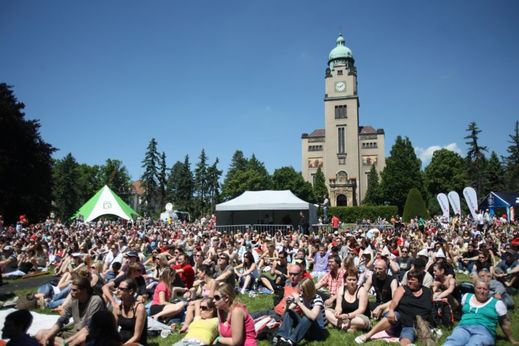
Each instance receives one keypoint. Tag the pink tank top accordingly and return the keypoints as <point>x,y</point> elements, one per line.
<point>249,337</point>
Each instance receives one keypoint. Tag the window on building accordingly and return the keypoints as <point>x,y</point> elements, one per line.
<point>340,112</point>
<point>315,148</point>
<point>369,145</point>
<point>342,161</point>
<point>369,160</point>
<point>341,140</point>
<point>339,72</point>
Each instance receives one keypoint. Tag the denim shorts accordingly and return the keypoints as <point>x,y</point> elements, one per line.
<point>401,331</point>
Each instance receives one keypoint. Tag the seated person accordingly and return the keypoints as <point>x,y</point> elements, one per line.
<point>408,302</point>
<point>385,286</point>
<point>81,309</point>
<point>9,261</point>
<point>235,325</point>
<point>161,308</point>
<point>331,281</point>
<point>496,288</point>
<point>130,315</point>
<point>114,272</point>
<point>444,295</point>
<point>134,272</point>
<point>304,316</point>
<point>507,270</point>
<point>103,331</point>
<point>15,328</point>
<point>320,261</point>
<point>278,273</point>
<point>351,309</point>
<point>204,328</point>
<point>481,314</point>
<point>247,272</point>
<point>224,272</point>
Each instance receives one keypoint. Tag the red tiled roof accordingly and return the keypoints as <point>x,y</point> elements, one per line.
<point>317,133</point>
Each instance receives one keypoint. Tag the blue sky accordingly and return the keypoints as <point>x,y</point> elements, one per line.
<point>104,77</point>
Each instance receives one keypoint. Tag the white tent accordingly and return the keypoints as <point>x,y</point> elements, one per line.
<point>255,207</point>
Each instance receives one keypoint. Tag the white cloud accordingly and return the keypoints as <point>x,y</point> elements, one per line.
<point>425,155</point>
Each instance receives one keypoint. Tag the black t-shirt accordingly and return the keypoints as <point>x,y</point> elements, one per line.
<point>410,306</point>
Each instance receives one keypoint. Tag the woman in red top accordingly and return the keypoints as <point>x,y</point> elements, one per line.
<point>160,305</point>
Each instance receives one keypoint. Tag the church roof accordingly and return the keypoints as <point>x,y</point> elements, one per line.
<point>369,130</point>
<point>317,133</point>
<point>340,51</point>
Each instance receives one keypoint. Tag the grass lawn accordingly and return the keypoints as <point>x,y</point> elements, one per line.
<point>264,302</point>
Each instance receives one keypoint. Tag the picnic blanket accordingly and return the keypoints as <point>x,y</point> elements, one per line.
<point>39,321</point>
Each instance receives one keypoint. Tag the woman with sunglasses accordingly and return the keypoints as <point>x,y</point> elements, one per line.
<point>160,305</point>
<point>203,288</point>
<point>249,272</point>
<point>204,328</point>
<point>130,314</point>
<point>235,325</point>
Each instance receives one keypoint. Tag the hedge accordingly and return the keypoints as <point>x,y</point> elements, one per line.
<point>363,212</point>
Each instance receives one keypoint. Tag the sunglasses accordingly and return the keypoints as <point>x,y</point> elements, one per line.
<point>217,298</point>
<point>293,274</point>
<point>125,289</point>
<point>204,308</point>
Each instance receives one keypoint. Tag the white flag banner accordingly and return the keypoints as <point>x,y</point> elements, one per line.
<point>472,200</point>
<point>444,204</point>
<point>454,199</point>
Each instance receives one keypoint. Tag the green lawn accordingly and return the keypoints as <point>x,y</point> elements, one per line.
<point>264,302</point>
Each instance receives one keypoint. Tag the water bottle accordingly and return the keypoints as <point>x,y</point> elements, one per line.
<point>165,333</point>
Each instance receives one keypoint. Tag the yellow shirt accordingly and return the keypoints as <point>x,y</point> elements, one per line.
<point>204,331</point>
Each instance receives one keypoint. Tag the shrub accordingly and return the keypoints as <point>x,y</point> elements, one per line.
<point>359,213</point>
<point>414,206</point>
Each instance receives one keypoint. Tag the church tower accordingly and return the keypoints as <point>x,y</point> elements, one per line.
<point>341,116</point>
<point>339,149</point>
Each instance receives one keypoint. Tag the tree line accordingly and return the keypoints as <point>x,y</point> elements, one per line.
<point>33,183</point>
<point>447,171</point>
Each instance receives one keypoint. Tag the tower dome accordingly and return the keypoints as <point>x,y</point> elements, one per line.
<point>340,54</point>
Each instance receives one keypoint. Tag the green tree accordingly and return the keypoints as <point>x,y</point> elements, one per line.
<point>163,180</point>
<point>373,193</point>
<point>245,175</point>
<point>149,179</point>
<point>25,164</point>
<point>495,175</point>
<point>512,161</point>
<point>286,178</point>
<point>414,206</point>
<point>475,160</point>
<point>201,184</point>
<point>89,181</point>
<point>114,174</point>
<point>401,174</point>
<point>180,186</point>
<point>65,189</point>
<point>213,181</point>
<point>446,172</point>
<point>319,186</point>
<point>238,164</point>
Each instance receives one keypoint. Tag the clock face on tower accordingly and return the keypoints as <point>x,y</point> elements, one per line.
<point>340,87</point>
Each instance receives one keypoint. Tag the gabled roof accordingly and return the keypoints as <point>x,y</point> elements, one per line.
<point>317,133</point>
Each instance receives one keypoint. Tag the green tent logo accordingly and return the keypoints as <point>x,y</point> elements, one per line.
<point>107,205</point>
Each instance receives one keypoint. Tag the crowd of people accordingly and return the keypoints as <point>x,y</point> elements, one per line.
<point>115,278</point>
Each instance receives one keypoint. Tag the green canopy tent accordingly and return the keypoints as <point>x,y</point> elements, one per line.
<point>105,202</point>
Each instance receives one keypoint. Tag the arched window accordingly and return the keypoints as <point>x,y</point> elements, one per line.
<point>342,201</point>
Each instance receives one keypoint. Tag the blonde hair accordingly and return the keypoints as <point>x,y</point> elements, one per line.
<point>167,275</point>
<point>307,289</point>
